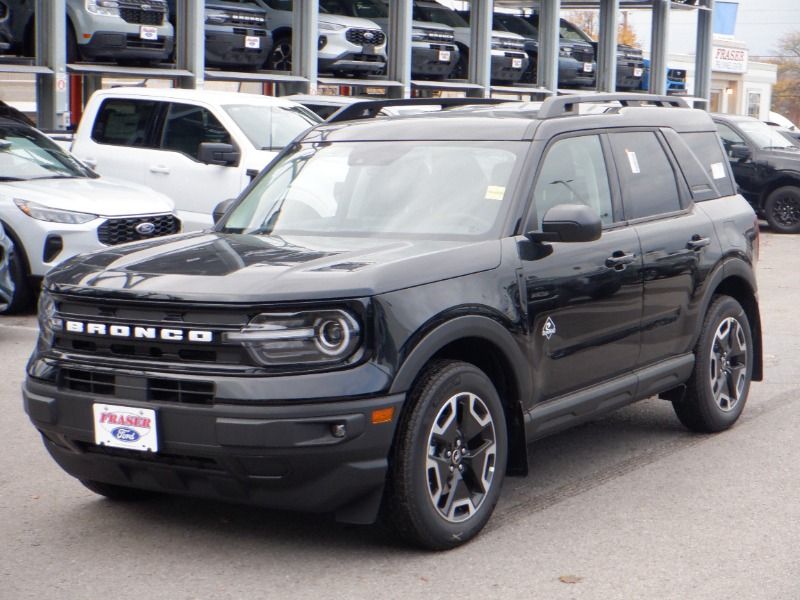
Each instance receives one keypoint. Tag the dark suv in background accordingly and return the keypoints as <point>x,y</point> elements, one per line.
<point>395,307</point>
<point>766,166</point>
<point>576,56</point>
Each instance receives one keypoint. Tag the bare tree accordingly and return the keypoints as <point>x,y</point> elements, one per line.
<point>786,93</point>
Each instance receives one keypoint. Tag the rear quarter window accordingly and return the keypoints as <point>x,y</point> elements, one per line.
<point>707,149</point>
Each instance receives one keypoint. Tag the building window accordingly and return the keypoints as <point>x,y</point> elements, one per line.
<point>754,104</point>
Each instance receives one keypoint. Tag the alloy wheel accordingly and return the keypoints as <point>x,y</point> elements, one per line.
<point>728,364</point>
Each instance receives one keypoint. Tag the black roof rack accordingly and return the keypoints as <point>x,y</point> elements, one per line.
<point>563,106</point>
<point>369,109</point>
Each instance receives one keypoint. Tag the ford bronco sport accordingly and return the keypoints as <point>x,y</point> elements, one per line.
<point>396,306</point>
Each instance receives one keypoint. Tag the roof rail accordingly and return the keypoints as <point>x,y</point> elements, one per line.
<point>562,106</point>
<point>369,109</point>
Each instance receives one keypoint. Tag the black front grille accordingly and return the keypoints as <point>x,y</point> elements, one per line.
<point>364,37</point>
<point>142,17</point>
<point>119,231</point>
<point>583,56</point>
<point>150,389</point>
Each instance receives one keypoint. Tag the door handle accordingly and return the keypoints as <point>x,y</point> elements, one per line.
<point>90,162</point>
<point>619,260</point>
<point>159,169</point>
<point>698,243</point>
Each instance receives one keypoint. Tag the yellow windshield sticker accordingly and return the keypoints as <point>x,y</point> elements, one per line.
<point>495,192</point>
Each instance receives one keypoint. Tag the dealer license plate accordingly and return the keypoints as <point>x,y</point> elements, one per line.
<point>444,55</point>
<point>148,33</point>
<point>125,427</point>
<point>252,41</point>
<point>638,72</point>
<point>587,67</point>
<point>516,63</point>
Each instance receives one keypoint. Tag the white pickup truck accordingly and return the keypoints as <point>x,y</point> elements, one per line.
<point>198,147</point>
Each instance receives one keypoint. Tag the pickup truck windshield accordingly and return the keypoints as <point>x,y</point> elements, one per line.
<point>271,127</point>
<point>765,137</point>
<point>377,189</point>
<point>26,154</point>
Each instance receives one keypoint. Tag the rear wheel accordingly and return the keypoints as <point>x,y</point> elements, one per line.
<point>782,209</point>
<point>717,390</point>
<point>450,458</point>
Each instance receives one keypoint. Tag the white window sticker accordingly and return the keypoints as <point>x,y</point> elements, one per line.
<point>718,171</point>
<point>495,192</point>
<point>634,162</point>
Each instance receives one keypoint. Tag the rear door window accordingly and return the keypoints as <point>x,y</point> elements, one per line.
<point>646,175</point>
<point>122,122</point>
<point>707,149</point>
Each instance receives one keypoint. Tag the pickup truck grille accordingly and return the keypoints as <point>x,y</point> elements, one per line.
<point>119,231</point>
<point>363,37</point>
<point>583,55</point>
<point>142,17</point>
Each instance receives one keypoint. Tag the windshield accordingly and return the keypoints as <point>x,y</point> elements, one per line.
<point>26,154</point>
<point>271,127</point>
<point>571,33</point>
<point>517,25</point>
<point>444,190</point>
<point>764,136</point>
<point>442,15</point>
<point>367,9</point>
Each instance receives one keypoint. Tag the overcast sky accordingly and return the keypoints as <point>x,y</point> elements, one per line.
<point>761,23</point>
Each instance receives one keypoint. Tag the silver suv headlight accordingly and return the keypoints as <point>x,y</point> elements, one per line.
<point>106,8</point>
<point>309,337</point>
<point>325,26</point>
<point>53,215</point>
<point>217,17</point>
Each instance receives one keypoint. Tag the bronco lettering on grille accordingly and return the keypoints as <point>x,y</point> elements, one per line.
<point>140,333</point>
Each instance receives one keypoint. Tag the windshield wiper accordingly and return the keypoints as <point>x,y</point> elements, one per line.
<point>2,178</point>
<point>55,177</point>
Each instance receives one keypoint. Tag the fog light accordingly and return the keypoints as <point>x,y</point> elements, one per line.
<point>338,430</point>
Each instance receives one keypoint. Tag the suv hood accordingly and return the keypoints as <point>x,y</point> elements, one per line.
<point>104,197</point>
<point>216,267</point>
<point>347,21</point>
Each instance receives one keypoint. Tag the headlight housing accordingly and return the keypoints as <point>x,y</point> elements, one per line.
<point>106,8</point>
<point>53,215</point>
<point>48,322</point>
<point>565,51</point>
<point>217,17</point>
<point>310,337</point>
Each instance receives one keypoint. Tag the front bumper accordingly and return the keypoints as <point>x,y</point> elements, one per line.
<point>629,75</point>
<point>229,48</point>
<point>573,72</point>
<point>354,62</point>
<point>426,59</point>
<point>114,45</point>
<point>503,69</point>
<point>283,456</point>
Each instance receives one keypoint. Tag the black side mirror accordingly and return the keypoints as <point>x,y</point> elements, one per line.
<point>221,208</point>
<point>223,155</point>
<point>568,223</point>
<point>740,151</point>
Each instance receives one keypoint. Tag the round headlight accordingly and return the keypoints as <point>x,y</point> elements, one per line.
<point>333,336</point>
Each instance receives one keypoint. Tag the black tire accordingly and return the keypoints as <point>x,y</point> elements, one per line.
<point>22,297</point>
<point>461,70</point>
<point>73,54</point>
<point>782,209</point>
<point>118,493</point>
<point>280,57</point>
<point>458,399</point>
<point>717,390</point>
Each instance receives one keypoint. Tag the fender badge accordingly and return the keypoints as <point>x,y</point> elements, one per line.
<point>549,329</point>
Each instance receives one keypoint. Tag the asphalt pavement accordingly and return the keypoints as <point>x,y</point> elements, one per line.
<point>631,506</point>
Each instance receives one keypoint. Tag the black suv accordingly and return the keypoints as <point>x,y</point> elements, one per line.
<point>766,165</point>
<point>396,306</point>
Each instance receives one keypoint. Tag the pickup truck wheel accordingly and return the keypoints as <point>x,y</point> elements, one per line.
<point>449,458</point>
<point>461,70</point>
<point>782,209</point>
<point>280,58</point>
<point>73,54</point>
<point>717,390</point>
<point>116,492</point>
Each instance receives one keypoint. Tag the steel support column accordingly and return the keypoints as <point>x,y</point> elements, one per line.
<point>399,46</point>
<point>704,50</point>
<point>607,46</point>
<point>659,47</point>
<point>190,42</point>
<point>549,47</point>
<point>480,43</point>
<point>52,93</point>
<point>305,42</point>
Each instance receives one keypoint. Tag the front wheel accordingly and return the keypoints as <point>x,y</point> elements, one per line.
<point>22,295</point>
<point>450,457</point>
<point>280,58</point>
<point>782,209</point>
<point>717,390</point>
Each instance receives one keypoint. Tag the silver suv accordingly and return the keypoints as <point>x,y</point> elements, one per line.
<point>346,44</point>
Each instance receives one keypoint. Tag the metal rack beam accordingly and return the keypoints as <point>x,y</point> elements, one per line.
<point>607,46</point>
<point>549,46</point>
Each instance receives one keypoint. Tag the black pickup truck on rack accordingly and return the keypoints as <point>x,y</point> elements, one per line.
<point>396,306</point>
